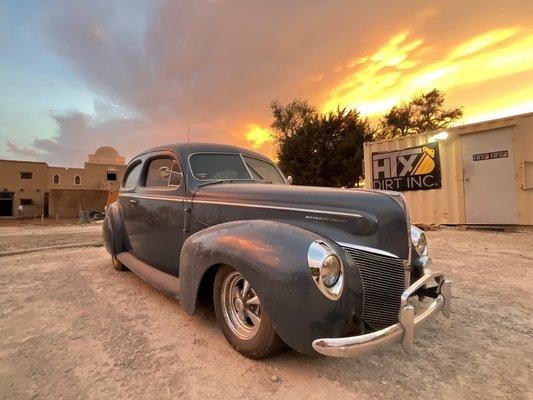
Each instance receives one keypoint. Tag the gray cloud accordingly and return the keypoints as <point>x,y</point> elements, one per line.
<point>26,153</point>
<point>158,66</point>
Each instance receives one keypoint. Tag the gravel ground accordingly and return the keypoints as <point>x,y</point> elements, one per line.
<point>72,327</point>
<point>21,237</point>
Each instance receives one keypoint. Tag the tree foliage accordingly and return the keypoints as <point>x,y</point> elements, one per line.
<point>320,149</point>
<point>424,113</point>
<point>288,119</point>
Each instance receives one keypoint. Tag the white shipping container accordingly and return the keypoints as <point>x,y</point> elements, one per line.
<point>486,173</point>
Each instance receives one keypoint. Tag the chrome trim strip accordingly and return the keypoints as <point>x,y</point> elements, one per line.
<point>152,197</point>
<point>269,207</point>
<point>368,249</point>
<point>401,332</point>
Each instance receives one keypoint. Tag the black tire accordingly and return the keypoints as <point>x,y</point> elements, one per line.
<point>264,343</point>
<point>117,264</point>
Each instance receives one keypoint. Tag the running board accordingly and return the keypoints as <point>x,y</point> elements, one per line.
<point>167,283</point>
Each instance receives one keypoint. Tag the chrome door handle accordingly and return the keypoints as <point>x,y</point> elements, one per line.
<point>133,201</point>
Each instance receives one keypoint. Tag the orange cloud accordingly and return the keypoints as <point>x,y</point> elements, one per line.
<point>397,71</point>
<point>257,136</point>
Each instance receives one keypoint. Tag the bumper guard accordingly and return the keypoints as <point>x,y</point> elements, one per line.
<point>403,331</point>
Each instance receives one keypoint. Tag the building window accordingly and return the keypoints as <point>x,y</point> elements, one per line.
<point>77,180</point>
<point>26,175</point>
<point>56,179</point>
<point>26,202</point>
<point>111,176</point>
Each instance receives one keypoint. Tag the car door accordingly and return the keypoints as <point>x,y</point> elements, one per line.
<point>127,200</point>
<point>156,212</point>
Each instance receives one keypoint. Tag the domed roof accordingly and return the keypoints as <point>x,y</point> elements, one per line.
<point>106,155</point>
<point>106,150</point>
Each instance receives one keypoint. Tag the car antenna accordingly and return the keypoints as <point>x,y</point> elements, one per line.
<point>187,161</point>
<point>187,209</point>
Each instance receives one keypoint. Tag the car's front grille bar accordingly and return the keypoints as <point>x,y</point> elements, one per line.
<point>383,284</point>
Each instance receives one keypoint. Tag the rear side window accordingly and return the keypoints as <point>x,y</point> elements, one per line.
<point>132,176</point>
<point>163,173</point>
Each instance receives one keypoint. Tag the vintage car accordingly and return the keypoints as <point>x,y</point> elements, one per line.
<point>322,270</point>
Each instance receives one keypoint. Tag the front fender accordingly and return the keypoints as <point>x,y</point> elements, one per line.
<point>272,256</point>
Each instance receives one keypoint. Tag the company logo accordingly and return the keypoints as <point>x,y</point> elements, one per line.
<point>415,168</point>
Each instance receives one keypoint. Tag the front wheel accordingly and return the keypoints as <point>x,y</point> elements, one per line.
<point>241,317</point>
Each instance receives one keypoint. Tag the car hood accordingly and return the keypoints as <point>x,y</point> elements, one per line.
<point>356,216</point>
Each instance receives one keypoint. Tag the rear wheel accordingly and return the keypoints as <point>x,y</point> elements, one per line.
<point>117,264</point>
<point>241,317</point>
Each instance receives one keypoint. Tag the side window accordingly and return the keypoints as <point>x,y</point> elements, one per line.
<point>263,170</point>
<point>132,176</point>
<point>163,173</point>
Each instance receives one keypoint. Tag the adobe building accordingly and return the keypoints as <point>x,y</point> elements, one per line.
<point>36,189</point>
<point>476,174</point>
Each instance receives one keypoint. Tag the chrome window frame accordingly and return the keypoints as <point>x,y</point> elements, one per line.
<point>130,167</point>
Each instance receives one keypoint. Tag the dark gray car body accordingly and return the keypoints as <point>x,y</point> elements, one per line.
<point>264,231</point>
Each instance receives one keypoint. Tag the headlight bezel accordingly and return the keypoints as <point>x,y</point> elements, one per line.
<point>318,254</point>
<point>419,241</point>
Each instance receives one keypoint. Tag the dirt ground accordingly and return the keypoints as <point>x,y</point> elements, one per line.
<point>72,327</point>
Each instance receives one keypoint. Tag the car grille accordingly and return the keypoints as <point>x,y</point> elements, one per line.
<point>383,284</point>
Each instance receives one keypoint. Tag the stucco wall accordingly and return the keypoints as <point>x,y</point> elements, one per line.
<point>34,188</point>
<point>93,176</point>
<point>67,202</point>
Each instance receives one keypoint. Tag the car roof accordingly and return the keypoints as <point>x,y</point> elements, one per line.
<point>185,149</point>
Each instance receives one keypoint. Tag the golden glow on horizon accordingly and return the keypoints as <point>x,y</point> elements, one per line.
<point>391,74</point>
<point>407,65</point>
<point>257,136</point>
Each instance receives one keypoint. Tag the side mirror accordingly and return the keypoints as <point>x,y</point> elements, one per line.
<point>164,172</point>
<point>289,180</point>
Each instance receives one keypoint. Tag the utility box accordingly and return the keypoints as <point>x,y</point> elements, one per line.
<point>477,174</point>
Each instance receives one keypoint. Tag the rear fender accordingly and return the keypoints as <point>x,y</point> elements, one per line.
<point>113,230</point>
<point>272,256</point>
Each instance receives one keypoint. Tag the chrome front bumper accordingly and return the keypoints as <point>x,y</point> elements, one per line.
<point>403,331</point>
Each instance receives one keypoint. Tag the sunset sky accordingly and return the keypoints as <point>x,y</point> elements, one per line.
<point>75,75</point>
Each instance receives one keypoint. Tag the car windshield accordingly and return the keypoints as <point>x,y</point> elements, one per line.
<point>233,167</point>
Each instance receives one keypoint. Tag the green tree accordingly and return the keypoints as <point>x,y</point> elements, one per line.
<point>320,149</point>
<point>288,119</point>
<point>423,113</point>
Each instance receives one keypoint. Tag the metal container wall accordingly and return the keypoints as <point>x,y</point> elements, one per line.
<point>436,206</point>
<point>447,205</point>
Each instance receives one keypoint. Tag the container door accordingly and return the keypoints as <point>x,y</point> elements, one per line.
<point>489,177</point>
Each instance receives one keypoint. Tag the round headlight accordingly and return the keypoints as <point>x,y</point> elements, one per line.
<point>326,269</point>
<point>331,270</point>
<point>420,243</point>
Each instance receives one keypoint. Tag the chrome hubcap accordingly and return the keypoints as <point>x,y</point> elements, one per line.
<point>241,306</point>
